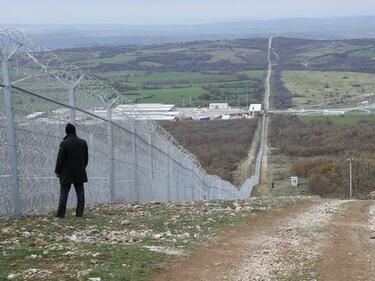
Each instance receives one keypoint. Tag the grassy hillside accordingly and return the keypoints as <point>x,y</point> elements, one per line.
<point>226,71</point>
<point>310,86</point>
<point>366,53</point>
<point>320,89</point>
<point>177,87</point>
<point>203,72</point>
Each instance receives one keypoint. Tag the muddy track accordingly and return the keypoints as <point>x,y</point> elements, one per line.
<point>350,248</point>
<point>230,254</point>
<point>315,240</point>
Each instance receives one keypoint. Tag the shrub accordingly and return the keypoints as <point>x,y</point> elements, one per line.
<point>218,145</point>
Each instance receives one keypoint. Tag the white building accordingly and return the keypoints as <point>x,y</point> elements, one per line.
<point>218,106</point>
<point>363,104</point>
<point>256,107</point>
<point>61,111</point>
<point>35,115</point>
<point>333,112</point>
<point>148,111</point>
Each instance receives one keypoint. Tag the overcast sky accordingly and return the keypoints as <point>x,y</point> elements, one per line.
<point>173,11</point>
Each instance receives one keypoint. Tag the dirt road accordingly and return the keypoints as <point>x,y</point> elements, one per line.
<point>317,240</point>
<point>350,246</point>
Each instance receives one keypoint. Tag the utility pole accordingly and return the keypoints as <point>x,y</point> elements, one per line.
<point>350,177</point>
<point>190,95</point>
<point>238,98</point>
<point>247,90</point>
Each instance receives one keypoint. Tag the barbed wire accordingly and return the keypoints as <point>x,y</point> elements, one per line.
<point>42,64</point>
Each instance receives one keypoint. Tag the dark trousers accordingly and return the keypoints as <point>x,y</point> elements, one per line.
<point>64,192</point>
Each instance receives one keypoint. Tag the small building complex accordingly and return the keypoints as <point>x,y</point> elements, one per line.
<point>256,108</point>
<point>148,111</point>
<point>219,106</point>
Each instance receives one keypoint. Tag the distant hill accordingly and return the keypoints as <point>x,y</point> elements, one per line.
<point>70,36</point>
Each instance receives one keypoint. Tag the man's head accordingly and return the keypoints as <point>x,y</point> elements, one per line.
<point>70,129</point>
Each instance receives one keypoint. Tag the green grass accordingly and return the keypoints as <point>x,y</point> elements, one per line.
<point>174,96</point>
<point>367,53</point>
<point>26,104</point>
<point>170,77</point>
<point>177,77</point>
<point>123,58</point>
<point>349,119</point>
<point>254,74</point>
<point>327,48</point>
<point>176,87</point>
<point>232,54</point>
<point>318,88</point>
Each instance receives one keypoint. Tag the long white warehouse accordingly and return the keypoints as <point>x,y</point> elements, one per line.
<point>148,111</point>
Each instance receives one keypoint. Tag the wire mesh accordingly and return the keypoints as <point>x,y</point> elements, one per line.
<point>129,160</point>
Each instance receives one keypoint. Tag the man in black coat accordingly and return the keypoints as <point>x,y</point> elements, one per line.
<point>70,168</point>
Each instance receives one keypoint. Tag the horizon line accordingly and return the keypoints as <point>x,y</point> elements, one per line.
<point>217,21</point>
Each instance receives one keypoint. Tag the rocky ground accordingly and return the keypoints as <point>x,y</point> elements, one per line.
<point>124,241</point>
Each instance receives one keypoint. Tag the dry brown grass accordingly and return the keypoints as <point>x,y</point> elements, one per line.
<point>218,145</point>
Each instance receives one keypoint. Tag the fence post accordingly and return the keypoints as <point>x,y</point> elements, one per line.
<point>110,153</point>
<point>170,165</point>
<point>11,136</point>
<point>209,191</point>
<point>191,182</point>
<point>186,179</point>
<point>151,152</point>
<point>72,103</point>
<point>135,160</point>
<point>178,185</point>
<point>71,96</point>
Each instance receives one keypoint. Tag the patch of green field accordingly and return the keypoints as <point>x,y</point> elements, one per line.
<point>178,77</point>
<point>123,75</point>
<point>164,87</point>
<point>318,88</point>
<point>174,96</point>
<point>233,55</point>
<point>327,48</point>
<point>177,87</point>
<point>348,119</point>
<point>367,53</point>
<point>123,58</point>
<point>170,77</point>
<point>254,74</point>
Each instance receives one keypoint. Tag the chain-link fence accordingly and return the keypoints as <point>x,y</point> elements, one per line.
<point>129,160</point>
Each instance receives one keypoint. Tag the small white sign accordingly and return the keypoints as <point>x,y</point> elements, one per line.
<point>294,181</point>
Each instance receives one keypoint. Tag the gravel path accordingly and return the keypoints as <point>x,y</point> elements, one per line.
<point>279,245</point>
<point>288,250</point>
<point>316,240</point>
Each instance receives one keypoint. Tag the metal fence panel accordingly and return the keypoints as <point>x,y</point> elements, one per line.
<point>129,160</point>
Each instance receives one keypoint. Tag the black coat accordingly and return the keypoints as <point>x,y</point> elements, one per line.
<point>72,160</point>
